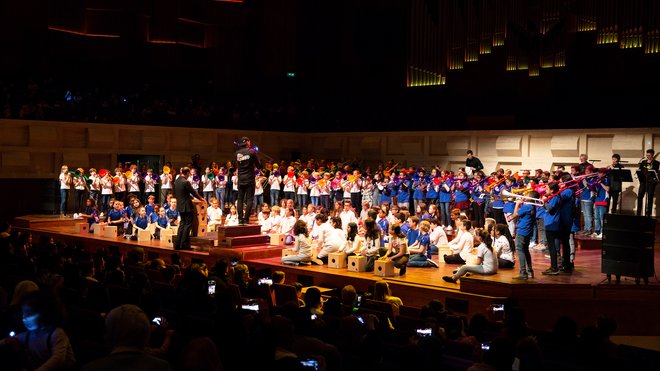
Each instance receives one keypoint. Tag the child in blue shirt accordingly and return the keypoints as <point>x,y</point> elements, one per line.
<point>420,254</point>
<point>172,214</point>
<point>601,201</point>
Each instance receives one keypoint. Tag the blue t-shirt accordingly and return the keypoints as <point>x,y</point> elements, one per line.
<point>526,220</point>
<point>461,194</point>
<point>551,218</point>
<point>142,222</point>
<point>445,195</point>
<point>497,201</point>
<point>128,211</point>
<point>115,214</point>
<point>172,215</point>
<point>94,212</point>
<point>566,212</point>
<point>149,208</point>
<point>602,195</point>
<point>586,194</point>
<point>425,240</point>
<point>405,227</point>
<point>431,193</point>
<point>162,222</point>
<point>509,206</point>
<point>419,193</point>
<point>412,235</point>
<point>404,191</point>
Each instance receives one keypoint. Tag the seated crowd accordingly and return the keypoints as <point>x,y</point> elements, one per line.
<point>65,308</point>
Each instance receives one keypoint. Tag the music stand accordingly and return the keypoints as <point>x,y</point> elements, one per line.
<point>648,177</point>
<point>621,175</point>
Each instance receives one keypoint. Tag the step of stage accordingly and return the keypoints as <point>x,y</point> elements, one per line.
<point>247,252</point>
<point>235,231</point>
<point>240,241</point>
<point>587,243</point>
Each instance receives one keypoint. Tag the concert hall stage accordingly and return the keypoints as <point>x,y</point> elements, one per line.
<point>584,295</point>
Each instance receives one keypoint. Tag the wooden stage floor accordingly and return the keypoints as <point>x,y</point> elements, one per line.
<point>584,295</point>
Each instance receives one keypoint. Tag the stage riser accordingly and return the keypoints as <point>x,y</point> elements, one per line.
<point>246,253</point>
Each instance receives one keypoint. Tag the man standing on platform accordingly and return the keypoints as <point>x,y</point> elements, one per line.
<point>246,163</point>
<point>472,164</point>
<point>647,186</point>
<point>584,162</point>
<point>183,191</point>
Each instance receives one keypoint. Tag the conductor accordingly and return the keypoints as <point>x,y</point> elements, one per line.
<point>185,195</point>
<point>647,186</point>
<point>246,163</point>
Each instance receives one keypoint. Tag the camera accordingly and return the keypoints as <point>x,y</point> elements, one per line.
<point>498,307</point>
<point>251,305</point>
<point>485,346</point>
<point>158,321</point>
<point>265,281</point>
<point>211,287</point>
<point>425,331</point>
<point>310,363</point>
<point>12,334</point>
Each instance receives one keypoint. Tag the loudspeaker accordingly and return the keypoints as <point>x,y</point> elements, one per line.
<point>628,243</point>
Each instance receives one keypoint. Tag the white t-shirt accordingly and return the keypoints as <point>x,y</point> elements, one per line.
<point>502,248</point>
<point>208,184</point>
<point>275,182</point>
<point>286,224</point>
<point>231,219</point>
<point>133,183</point>
<point>149,184</point>
<point>165,181</point>
<point>489,260</point>
<point>64,181</point>
<point>96,183</point>
<point>79,183</point>
<point>106,186</point>
<point>258,188</point>
<point>438,236</point>
<point>464,245</point>
<point>331,239</point>
<point>347,217</point>
<point>215,215</point>
<point>289,184</point>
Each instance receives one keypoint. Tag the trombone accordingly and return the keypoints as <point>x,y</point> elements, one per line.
<point>525,199</point>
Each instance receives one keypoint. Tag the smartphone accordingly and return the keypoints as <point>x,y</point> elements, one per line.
<point>425,331</point>
<point>12,334</point>
<point>211,287</point>
<point>360,319</point>
<point>359,300</point>
<point>485,346</point>
<point>265,281</point>
<point>234,262</point>
<point>311,363</point>
<point>498,307</point>
<point>252,306</point>
<point>157,320</point>
<point>313,317</point>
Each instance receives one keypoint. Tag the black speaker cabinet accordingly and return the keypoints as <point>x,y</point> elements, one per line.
<point>628,243</point>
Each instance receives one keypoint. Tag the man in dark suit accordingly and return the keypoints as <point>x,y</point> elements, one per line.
<point>648,183</point>
<point>247,162</point>
<point>183,191</point>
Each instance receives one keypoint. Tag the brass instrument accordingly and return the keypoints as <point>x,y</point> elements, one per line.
<point>387,172</point>
<point>166,170</point>
<point>128,174</point>
<point>525,199</point>
<point>489,187</point>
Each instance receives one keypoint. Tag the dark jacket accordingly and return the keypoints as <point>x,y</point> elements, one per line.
<point>182,192</point>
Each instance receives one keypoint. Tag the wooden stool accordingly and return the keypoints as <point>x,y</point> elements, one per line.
<point>383,268</point>
<point>166,240</point>
<point>276,239</point>
<point>357,263</point>
<point>337,260</point>
<point>82,228</point>
<point>110,231</point>
<point>98,229</point>
<point>144,235</point>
